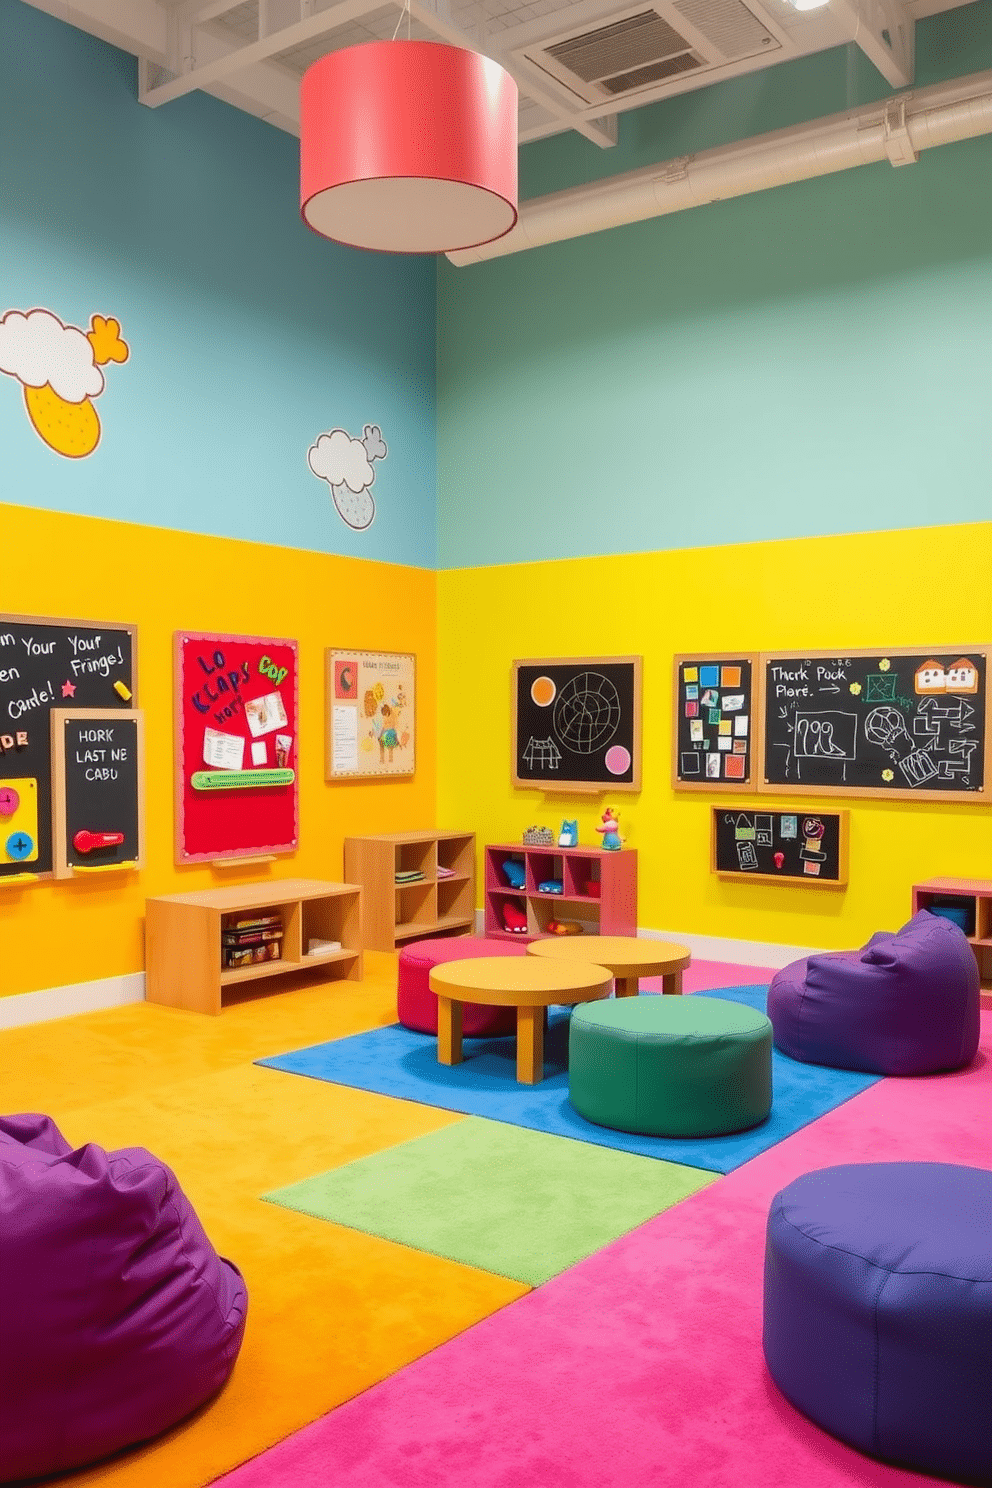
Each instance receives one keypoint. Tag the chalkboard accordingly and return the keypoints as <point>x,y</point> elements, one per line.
<point>48,663</point>
<point>714,723</point>
<point>577,723</point>
<point>780,846</point>
<point>911,725</point>
<point>97,790</point>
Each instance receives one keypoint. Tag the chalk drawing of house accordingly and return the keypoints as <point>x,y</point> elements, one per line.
<point>962,676</point>
<point>931,677</point>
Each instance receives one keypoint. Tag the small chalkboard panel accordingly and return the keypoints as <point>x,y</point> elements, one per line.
<point>911,725</point>
<point>781,846</point>
<point>97,790</point>
<point>577,723</point>
<point>45,664</point>
<point>713,728</point>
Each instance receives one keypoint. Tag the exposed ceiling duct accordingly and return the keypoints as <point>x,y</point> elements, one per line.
<point>896,130</point>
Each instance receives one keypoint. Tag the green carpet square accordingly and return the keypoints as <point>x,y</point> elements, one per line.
<point>502,1198</point>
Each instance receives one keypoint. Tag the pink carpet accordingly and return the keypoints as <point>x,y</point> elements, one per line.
<point>702,976</point>
<point>642,1365</point>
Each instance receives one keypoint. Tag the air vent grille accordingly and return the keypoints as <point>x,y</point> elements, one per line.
<point>654,73</point>
<point>637,41</point>
<point>727,24</point>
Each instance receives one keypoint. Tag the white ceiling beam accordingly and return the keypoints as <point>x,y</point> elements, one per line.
<point>139,27</point>
<point>885,32</point>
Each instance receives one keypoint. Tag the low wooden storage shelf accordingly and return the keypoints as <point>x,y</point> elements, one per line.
<point>599,889</point>
<point>393,913</point>
<point>974,896</point>
<point>183,938</point>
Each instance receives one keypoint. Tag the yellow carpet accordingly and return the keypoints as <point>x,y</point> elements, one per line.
<point>331,1310</point>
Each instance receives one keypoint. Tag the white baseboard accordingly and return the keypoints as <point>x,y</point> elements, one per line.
<point>66,1002</point>
<point>716,947</point>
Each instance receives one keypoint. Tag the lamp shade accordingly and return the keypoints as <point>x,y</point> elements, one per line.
<point>408,147</point>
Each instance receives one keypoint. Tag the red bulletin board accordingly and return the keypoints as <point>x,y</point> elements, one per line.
<point>237,717</point>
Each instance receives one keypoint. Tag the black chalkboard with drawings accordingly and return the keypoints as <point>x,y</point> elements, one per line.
<point>577,723</point>
<point>97,790</point>
<point>48,663</point>
<point>780,846</point>
<point>910,725</point>
<point>715,722</point>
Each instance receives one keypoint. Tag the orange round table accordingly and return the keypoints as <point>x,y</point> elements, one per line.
<point>626,956</point>
<point>502,981</point>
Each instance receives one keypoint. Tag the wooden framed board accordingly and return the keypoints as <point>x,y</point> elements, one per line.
<point>371,714</point>
<point>47,663</point>
<point>577,723</point>
<point>905,724</point>
<point>237,727</point>
<point>787,845</point>
<point>98,792</point>
<point>715,722</point>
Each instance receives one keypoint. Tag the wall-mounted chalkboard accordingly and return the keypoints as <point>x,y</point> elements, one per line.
<point>97,790</point>
<point>48,663</point>
<point>577,723</point>
<point>911,725</point>
<point>714,722</point>
<point>780,846</point>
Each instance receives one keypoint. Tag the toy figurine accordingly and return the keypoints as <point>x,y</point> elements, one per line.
<point>610,830</point>
<point>568,836</point>
<point>514,919</point>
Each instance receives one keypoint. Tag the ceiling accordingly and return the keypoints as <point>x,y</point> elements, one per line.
<point>578,63</point>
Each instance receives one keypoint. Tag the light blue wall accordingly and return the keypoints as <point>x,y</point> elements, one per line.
<point>804,361</point>
<point>249,336</point>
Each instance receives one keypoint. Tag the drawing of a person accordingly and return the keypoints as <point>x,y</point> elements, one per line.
<point>386,730</point>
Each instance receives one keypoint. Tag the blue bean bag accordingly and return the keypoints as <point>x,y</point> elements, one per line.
<point>878,1310</point>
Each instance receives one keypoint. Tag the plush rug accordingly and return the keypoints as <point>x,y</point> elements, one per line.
<point>555,1201</point>
<point>641,1365</point>
<point>394,1061</point>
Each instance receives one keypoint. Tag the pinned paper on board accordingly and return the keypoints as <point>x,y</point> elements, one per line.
<point>717,693</point>
<point>223,751</point>
<point>265,714</point>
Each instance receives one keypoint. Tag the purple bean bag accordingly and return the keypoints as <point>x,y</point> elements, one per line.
<point>905,1004</point>
<point>117,1316</point>
<point>878,1311</point>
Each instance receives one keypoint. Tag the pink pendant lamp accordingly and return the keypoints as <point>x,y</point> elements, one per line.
<point>408,147</point>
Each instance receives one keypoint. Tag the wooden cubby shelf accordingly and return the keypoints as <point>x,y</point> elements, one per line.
<point>599,889</point>
<point>974,896</point>
<point>395,913</point>
<point>183,938</point>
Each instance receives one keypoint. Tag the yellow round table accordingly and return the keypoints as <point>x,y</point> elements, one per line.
<point>626,956</point>
<point>508,981</point>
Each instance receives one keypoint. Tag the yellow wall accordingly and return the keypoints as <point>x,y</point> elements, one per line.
<point>925,587</point>
<point>163,581</point>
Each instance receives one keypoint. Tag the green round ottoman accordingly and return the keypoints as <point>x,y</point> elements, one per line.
<point>670,1066</point>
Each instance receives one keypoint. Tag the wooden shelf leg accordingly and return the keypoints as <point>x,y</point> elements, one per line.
<point>449,1031</point>
<point>627,986</point>
<point>530,1045</point>
<point>671,983</point>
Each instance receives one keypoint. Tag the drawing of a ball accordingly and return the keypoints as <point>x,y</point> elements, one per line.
<point>587,713</point>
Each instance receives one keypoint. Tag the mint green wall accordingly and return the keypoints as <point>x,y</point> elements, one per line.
<point>804,361</point>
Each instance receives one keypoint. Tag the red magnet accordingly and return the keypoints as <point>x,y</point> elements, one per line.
<point>85,842</point>
<point>779,859</point>
<point>9,801</point>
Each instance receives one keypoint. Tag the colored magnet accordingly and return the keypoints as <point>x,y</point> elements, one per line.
<point>19,846</point>
<point>85,842</point>
<point>779,859</point>
<point>123,691</point>
<point>9,801</point>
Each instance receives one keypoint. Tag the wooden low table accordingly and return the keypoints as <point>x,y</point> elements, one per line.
<point>627,957</point>
<point>505,981</point>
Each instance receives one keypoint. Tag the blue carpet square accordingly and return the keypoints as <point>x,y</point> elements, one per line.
<point>393,1061</point>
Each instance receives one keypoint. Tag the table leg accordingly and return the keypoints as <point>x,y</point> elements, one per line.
<point>449,1031</point>
<point>530,1045</point>
<point>626,986</point>
<point>671,983</point>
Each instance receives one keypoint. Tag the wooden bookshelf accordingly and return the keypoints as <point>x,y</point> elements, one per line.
<point>434,904</point>
<point>183,938</point>
<point>599,889</point>
<point>974,896</point>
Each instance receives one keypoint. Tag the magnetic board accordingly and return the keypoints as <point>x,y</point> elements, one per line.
<point>97,790</point>
<point>371,712</point>
<point>577,723</point>
<point>715,722</point>
<point>787,845</point>
<point>237,724</point>
<point>48,663</point>
<point>906,724</point>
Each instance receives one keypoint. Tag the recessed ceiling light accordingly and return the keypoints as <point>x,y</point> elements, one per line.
<point>810,4</point>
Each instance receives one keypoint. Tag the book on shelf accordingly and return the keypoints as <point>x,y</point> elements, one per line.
<point>253,922</point>
<point>250,955</point>
<point>251,937</point>
<point>409,875</point>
